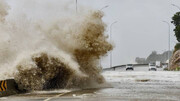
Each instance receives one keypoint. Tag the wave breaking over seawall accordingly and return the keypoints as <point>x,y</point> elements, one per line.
<point>59,53</point>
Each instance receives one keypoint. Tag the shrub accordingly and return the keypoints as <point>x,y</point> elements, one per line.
<point>177,68</point>
<point>177,47</point>
<point>166,69</point>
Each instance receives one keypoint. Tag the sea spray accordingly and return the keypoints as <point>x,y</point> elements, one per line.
<point>41,70</point>
<point>3,10</point>
<point>63,53</point>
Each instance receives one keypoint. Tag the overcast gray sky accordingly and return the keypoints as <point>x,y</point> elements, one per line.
<point>139,30</point>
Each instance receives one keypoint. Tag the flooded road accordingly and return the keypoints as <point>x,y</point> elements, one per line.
<point>125,86</point>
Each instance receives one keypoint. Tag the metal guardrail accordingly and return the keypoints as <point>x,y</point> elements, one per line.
<point>123,66</point>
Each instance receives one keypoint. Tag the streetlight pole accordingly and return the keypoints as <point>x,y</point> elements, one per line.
<point>111,41</point>
<point>104,7</point>
<point>101,10</point>
<point>76,6</point>
<point>176,6</point>
<point>168,42</point>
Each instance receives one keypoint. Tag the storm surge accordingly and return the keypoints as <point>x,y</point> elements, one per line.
<point>51,54</point>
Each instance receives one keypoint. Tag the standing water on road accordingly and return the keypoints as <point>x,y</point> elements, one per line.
<point>125,86</point>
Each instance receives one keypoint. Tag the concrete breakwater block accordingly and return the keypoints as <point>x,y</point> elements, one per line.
<point>8,87</point>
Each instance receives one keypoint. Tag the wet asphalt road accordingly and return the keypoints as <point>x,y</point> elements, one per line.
<point>138,85</point>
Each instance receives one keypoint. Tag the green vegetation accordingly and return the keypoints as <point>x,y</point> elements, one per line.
<point>166,69</point>
<point>177,69</point>
<point>177,47</point>
<point>176,22</point>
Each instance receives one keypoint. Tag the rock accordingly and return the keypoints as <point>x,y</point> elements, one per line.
<point>175,60</point>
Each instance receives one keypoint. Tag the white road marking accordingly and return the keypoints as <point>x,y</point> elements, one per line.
<point>48,99</point>
<point>3,98</point>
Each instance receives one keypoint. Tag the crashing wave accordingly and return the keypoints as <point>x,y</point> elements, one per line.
<point>63,53</point>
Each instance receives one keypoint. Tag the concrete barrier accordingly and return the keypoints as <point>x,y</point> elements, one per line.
<point>8,87</point>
